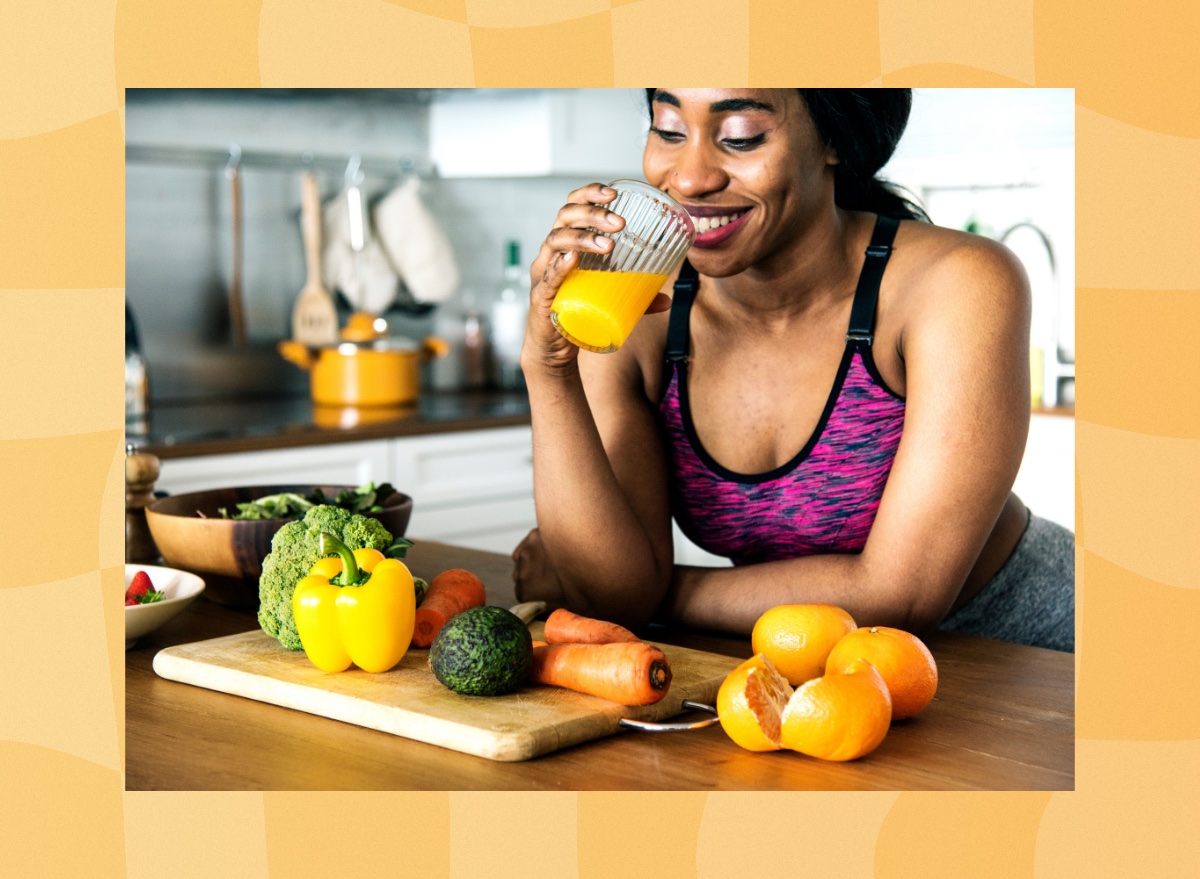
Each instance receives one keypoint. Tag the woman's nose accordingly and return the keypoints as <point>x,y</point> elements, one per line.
<point>697,171</point>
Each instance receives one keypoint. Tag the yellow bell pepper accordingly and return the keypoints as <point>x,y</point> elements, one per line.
<point>355,608</point>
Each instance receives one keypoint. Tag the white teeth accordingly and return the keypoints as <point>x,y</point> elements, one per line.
<point>707,224</point>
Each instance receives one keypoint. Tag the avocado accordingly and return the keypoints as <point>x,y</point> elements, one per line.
<point>483,651</point>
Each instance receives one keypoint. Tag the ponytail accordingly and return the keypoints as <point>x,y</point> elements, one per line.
<point>863,127</point>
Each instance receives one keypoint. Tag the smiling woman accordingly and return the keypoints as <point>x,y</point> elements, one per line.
<point>837,400</point>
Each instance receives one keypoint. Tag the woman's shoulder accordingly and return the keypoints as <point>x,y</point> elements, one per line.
<point>935,263</point>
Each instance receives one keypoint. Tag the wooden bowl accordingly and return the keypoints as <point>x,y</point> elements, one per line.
<point>228,553</point>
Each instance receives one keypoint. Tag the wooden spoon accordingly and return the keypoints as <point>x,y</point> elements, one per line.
<point>314,318</point>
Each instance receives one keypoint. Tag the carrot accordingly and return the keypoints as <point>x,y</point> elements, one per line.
<point>450,592</point>
<point>631,673</point>
<point>539,643</point>
<point>564,627</point>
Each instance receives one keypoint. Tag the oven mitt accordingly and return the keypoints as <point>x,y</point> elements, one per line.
<point>366,278</point>
<point>415,244</point>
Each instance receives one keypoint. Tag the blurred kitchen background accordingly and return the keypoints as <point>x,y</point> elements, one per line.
<point>213,197</point>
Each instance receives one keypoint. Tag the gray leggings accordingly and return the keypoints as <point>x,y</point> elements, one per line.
<point>1031,600</point>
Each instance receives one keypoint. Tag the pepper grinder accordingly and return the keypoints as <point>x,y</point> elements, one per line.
<point>475,353</point>
<point>141,472</point>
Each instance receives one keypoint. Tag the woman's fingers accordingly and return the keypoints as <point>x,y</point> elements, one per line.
<point>592,193</point>
<point>533,577</point>
<point>583,212</point>
<point>555,273</point>
<point>560,253</point>
<point>573,233</point>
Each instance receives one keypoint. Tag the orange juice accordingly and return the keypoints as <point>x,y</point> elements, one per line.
<point>597,310</point>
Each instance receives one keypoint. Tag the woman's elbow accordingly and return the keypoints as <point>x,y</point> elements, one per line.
<point>627,598</point>
<point>927,604</point>
<point>917,602</point>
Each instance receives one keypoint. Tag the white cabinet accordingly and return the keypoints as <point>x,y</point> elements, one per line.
<point>473,488</point>
<point>1046,480</point>
<point>336,464</point>
<point>578,132</point>
<point>470,488</point>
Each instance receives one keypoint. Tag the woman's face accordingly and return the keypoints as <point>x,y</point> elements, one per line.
<point>746,163</point>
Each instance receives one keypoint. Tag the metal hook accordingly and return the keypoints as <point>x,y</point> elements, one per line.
<point>354,174</point>
<point>235,160</point>
<point>651,726</point>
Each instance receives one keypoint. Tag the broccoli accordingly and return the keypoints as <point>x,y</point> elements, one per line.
<point>294,550</point>
<point>363,531</point>
<point>326,517</point>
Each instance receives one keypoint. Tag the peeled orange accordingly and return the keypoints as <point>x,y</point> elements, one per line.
<point>901,658</point>
<point>835,717</point>
<point>797,638</point>
<point>738,718</point>
<point>838,716</point>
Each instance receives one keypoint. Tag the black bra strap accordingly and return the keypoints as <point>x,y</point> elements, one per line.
<point>681,305</point>
<point>866,296</point>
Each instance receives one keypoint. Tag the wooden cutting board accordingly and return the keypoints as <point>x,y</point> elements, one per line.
<point>408,701</point>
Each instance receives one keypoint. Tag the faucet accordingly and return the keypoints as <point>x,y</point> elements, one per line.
<point>1045,239</point>
<point>1062,365</point>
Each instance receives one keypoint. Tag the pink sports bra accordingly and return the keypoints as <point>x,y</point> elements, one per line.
<point>825,498</point>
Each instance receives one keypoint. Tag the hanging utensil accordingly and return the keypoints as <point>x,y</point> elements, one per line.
<point>356,230</point>
<point>314,318</point>
<point>371,284</point>
<point>237,320</point>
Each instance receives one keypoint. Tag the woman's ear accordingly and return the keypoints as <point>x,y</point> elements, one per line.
<point>831,157</point>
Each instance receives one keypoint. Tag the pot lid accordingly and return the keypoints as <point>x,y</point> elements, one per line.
<point>388,343</point>
<point>366,331</point>
<point>363,326</point>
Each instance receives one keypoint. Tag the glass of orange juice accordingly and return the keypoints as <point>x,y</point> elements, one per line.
<point>602,299</point>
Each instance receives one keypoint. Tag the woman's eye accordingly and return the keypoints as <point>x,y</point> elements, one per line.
<point>744,143</point>
<point>668,136</point>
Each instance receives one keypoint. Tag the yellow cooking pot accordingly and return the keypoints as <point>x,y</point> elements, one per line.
<point>373,372</point>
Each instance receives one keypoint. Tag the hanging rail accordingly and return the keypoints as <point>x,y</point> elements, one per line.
<point>217,157</point>
<point>978,187</point>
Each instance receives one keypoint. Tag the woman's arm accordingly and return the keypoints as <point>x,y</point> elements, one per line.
<point>965,348</point>
<point>600,490</point>
<point>603,544</point>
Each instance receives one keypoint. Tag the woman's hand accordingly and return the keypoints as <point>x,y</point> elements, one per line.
<point>533,575</point>
<point>545,349</point>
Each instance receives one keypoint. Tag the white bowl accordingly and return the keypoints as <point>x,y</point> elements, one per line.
<point>180,586</point>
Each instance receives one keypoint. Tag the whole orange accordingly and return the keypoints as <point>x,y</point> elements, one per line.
<point>797,638</point>
<point>838,716</point>
<point>737,714</point>
<point>902,658</point>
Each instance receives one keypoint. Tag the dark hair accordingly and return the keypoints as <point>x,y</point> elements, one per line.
<point>863,127</point>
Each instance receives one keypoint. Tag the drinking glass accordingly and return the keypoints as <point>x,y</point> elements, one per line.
<point>602,299</point>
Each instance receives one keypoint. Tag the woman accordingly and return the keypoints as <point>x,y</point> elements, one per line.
<point>837,398</point>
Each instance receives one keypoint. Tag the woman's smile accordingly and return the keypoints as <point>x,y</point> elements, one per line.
<point>715,225</point>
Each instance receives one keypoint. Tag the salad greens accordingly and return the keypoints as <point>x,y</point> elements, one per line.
<point>366,498</point>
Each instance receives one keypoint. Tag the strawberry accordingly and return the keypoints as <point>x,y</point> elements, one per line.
<point>141,590</point>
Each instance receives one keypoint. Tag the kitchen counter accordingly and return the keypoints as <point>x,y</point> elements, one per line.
<point>210,428</point>
<point>1003,719</point>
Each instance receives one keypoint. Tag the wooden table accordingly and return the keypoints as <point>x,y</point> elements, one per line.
<point>1003,719</point>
